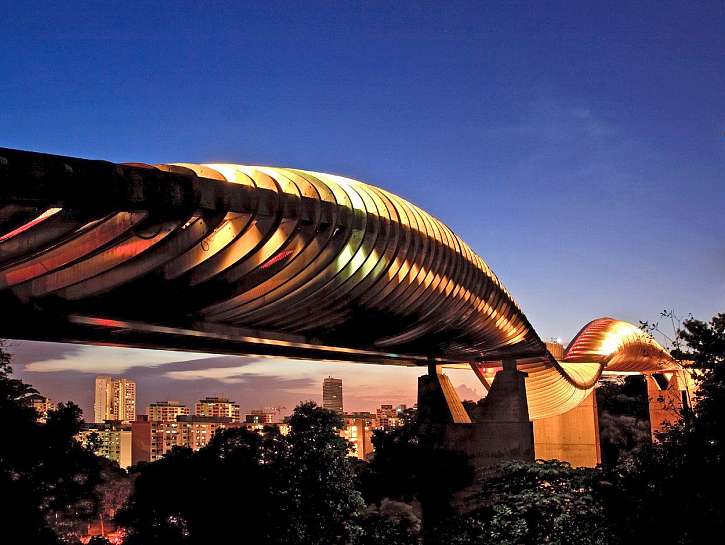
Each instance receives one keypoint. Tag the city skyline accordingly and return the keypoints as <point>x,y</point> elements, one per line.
<point>164,424</point>
<point>363,391</point>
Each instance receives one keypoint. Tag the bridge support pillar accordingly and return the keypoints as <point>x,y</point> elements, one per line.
<point>500,431</point>
<point>571,437</point>
<point>438,402</point>
<point>667,396</point>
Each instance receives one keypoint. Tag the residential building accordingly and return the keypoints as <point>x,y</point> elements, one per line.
<point>115,399</point>
<point>141,439</point>
<point>218,407</point>
<point>359,431</point>
<point>111,439</point>
<point>332,394</point>
<point>41,404</point>
<point>361,414</point>
<point>196,431</point>
<point>152,439</point>
<point>166,411</point>
<point>389,417</point>
<point>260,416</point>
<point>282,427</point>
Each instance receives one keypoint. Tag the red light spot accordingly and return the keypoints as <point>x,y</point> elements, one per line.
<point>276,259</point>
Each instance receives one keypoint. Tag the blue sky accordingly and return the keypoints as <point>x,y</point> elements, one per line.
<point>578,147</point>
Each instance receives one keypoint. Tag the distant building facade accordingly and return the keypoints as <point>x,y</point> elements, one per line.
<point>196,431</point>
<point>41,404</point>
<point>152,439</point>
<point>332,394</point>
<point>218,407</point>
<point>115,399</point>
<point>282,427</point>
<point>260,416</point>
<point>359,431</point>
<point>112,440</point>
<point>389,417</point>
<point>166,411</point>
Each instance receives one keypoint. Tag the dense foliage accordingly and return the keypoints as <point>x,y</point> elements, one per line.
<point>672,492</point>
<point>292,489</point>
<point>624,426</point>
<point>46,476</point>
<point>544,502</point>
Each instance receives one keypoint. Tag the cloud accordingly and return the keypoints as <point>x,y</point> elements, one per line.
<point>464,392</point>
<point>227,375</point>
<point>28,352</point>
<point>67,372</point>
<point>43,357</point>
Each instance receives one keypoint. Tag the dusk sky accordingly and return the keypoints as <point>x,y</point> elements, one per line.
<point>578,148</point>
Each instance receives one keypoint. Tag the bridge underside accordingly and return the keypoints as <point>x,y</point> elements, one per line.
<point>197,337</point>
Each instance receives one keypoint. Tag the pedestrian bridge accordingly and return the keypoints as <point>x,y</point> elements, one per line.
<point>246,259</point>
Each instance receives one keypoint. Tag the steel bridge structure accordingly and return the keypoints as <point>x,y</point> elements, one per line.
<point>243,259</point>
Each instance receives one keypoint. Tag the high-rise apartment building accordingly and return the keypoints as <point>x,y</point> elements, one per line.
<point>166,411</point>
<point>115,399</point>
<point>332,394</point>
<point>197,431</point>
<point>218,407</point>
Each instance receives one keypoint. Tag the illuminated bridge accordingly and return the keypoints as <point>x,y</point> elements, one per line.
<point>260,260</point>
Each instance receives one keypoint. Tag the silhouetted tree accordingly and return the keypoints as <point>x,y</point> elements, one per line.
<point>390,523</point>
<point>533,503</point>
<point>206,496</point>
<point>45,474</point>
<point>409,464</point>
<point>624,426</point>
<point>315,484</point>
<point>672,492</point>
<point>271,489</point>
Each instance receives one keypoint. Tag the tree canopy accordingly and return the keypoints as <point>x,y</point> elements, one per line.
<point>46,476</point>
<point>271,488</point>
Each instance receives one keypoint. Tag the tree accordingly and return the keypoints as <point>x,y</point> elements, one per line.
<point>683,473</point>
<point>267,489</point>
<point>316,491</point>
<point>390,523</point>
<point>533,503</point>
<point>409,465</point>
<point>200,497</point>
<point>624,425</point>
<point>45,474</point>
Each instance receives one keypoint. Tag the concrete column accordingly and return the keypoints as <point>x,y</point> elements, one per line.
<point>503,431</point>
<point>506,400</point>
<point>438,402</point>
<point>665,397</point>
<point>500,431</point>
